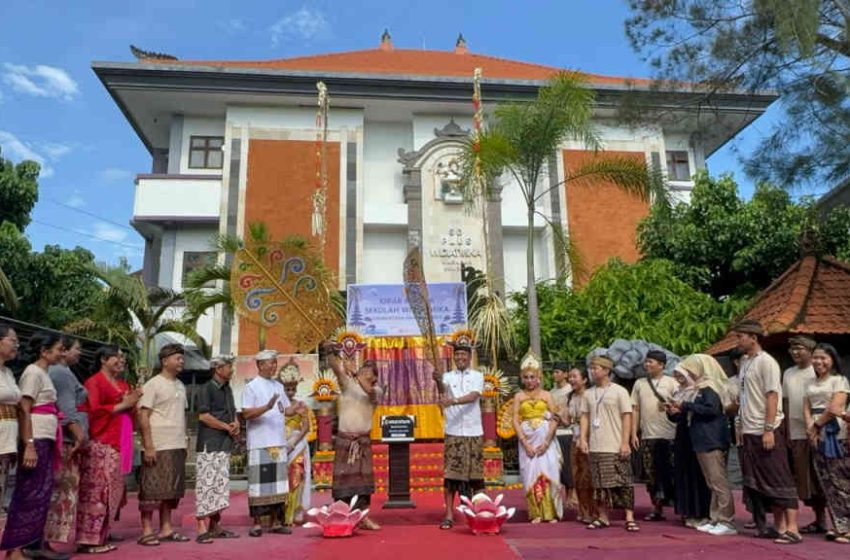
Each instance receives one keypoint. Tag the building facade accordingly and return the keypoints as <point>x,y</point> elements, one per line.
<point>234,142</point>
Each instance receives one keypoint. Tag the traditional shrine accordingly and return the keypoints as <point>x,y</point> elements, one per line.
<point>812,297</point>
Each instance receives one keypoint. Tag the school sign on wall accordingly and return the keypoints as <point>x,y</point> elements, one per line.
<point>382,309</point>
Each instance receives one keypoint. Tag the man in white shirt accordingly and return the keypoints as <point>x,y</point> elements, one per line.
<point>264,407</point>
<point>764,460</point>
<point>463,450</point>
<point>794,382</point>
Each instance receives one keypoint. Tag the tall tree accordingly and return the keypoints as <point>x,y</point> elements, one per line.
<point>799,48</point>
<point>520,142</point>
<point>724,245</point>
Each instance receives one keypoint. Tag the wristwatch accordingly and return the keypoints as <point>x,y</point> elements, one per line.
<point>768,428</point>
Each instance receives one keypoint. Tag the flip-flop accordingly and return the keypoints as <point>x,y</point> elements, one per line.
<point>255,532</point>
<point>204,538</point>
<point>224,534</point>
<point>281,530</point>
<point>789,538</point>
<point>148,540</point>
<point>597,524</point>
<point>841,539</point>
<point>447,524</point>
<point>632,527</point>
<point>102,549</point>
<point>174,537</point>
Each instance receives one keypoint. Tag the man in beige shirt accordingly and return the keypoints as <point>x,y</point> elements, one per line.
<point>764,461</point>
<point>653,433</point>
<point>794,382</point>
<point>162,421</point>
<point>606,416</point>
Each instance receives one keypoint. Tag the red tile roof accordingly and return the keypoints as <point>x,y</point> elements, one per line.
<point>407,62</point>
<point>812,297</point>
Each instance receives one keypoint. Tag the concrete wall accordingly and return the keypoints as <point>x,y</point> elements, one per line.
<point>383,197</point>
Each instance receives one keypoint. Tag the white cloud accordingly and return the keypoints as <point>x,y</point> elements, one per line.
<point>76,200</point>
<point>41,81</point>
<point>108,232</point>
<point>234,26</point>
<point>54,150</point>
<point>114,175</point>
<point>303,25</point>
<point>17,150</point>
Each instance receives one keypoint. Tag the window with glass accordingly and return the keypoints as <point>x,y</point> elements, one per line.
<point>196,260</point>
<point>678,166</point>
<point>205,152</point>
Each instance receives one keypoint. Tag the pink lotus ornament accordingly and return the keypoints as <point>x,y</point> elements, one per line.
<point>483,515</point>
<point>338,519</point>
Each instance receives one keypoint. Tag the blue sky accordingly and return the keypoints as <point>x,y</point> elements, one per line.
<point>54,110</point>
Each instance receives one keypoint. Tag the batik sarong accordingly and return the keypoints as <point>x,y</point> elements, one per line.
<point>834,477</point>
<point>612,480</point>
<point>62,516</point>
<point>212,482</point>
<point>101,493</point>
<point>657,458</point>
<point>463,464</point>
<point>30,499</point>
<point>165,481</point>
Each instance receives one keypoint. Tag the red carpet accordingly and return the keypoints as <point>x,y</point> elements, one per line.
<point>413,535</point>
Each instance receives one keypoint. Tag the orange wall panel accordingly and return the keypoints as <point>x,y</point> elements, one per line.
<point>281,182</point>
<point>602,218</point>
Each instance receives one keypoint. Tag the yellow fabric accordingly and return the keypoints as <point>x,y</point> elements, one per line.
<point>429,419</point>
<point>383,343</point>
<point>531,409</point>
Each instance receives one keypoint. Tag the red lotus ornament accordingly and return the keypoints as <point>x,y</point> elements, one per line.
<point>483,515</point>
<point>339,519</point>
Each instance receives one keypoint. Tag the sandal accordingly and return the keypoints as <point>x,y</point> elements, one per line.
<point>224,534</point>
<point>255,532</point>
<point>632,527</point>
<point>174,537</point>
<point>148,540</point>
<point>204,538</point>
<point>842,539</point>
<point>94,549</point>
<point>280,530</point>
<point>598,524</point>
<point>831,535</point>
<point>813,528</point>
<point>655,516</point>
<point>789,538</point>
<point>447,524</point>
<point>750,525</point>
<point>769,533</point>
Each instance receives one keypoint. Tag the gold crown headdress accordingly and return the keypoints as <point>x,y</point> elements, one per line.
<point>290,372</point>
<point>530,361</point>
<point>463,339</point>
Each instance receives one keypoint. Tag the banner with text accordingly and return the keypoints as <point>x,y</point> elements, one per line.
<point>382,309</point>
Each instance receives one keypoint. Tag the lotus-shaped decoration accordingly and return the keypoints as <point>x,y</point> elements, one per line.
<point>338,519</point>
<point>483,515</point>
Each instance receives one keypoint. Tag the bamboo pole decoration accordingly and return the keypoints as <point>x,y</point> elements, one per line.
<point>320,195</point>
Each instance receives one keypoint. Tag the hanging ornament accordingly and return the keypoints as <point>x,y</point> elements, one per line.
<point>320,194</point>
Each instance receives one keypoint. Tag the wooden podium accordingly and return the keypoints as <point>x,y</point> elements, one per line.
<point>397,432</point>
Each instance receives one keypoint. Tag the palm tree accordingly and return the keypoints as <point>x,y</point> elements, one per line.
<point>8,297</point>
<point>520,142</point>
<point>148,310</point>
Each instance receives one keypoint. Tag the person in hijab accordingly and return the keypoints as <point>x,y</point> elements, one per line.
<point>703,401</point>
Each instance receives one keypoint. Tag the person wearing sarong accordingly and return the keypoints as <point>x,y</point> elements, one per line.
<point>218,427</point>
<point>564,433</point>
<point>108,457</point>
<point>162,420</point>
<point>352,475</point>
<point>653,433</point>
<point>764,458</point>
<point>39,455</point>
<point>265,407</point>
<point>580,460</point>
<point>70,396</point>
<point>606,416</point>
<point>463,444</point>
<point>535,420</point>
<point>825,410</point>
<point>702,401</point>
<point>10,396</point>
<point>794,381</point>
<point>298,449</point>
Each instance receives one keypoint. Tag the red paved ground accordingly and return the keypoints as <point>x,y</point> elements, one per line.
<point>413,535</point>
